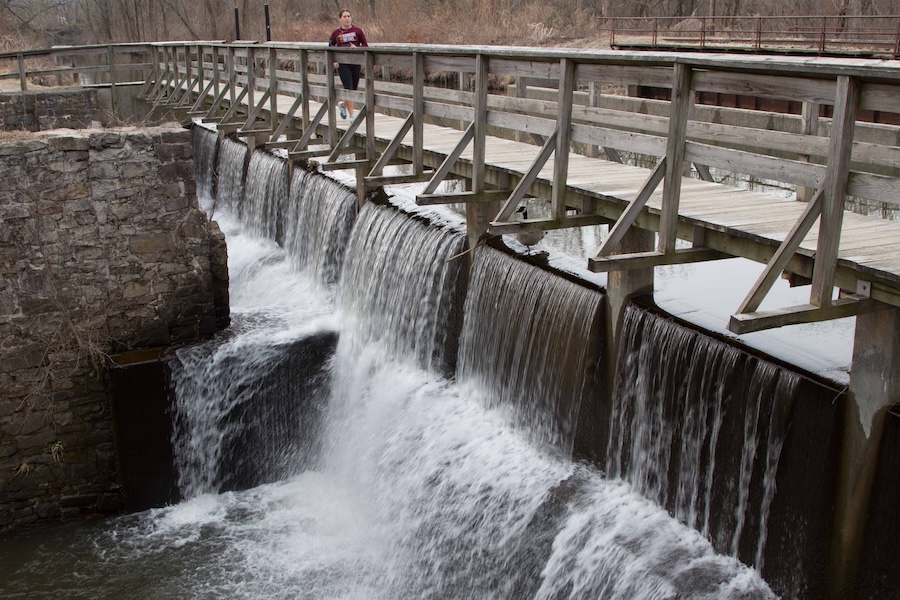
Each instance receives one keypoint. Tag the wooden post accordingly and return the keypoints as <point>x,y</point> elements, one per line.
<point>332,98</point>
<point>682,101</point>
<point>837,173</point>
<point>418,111</point>
<point>478,214</point>
<point>809,125</point>
<point>478,141</point>
<point>251,78</point>
<point>304,88</point>
<point>273,88</point>
<point>621,287</point>
<point>215,74</point>
<point>563,137</point>
<point>23,79</point>
<point>874,388</point>
<point>371,152</point>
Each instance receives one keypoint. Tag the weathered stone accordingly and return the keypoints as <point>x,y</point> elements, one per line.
<point>127,259</point>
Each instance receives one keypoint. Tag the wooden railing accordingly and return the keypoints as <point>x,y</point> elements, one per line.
<point>833,158</point>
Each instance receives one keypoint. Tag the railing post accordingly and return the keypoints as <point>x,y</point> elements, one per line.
<point>371,152</point>
<point>232,75</point>
<point>822,36</point>
<point>682,99</point>
<point>809,125</point>
<point>418,111</point>
<point>273,85</point>
<point>837,173</point>
<point>304,88</point>
<point>478,215</point>
<point>251,78</point>
<point>23,79</point>
<point>563,137</point>
<point>332,97</point>
<point>758,33</point>
<point>113,94</point>
<point>214,56</point>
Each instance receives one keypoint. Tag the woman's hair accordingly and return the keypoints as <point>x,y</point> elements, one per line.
<point>341,14</point>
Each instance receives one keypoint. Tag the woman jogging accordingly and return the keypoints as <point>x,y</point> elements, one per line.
<point>347,35</point>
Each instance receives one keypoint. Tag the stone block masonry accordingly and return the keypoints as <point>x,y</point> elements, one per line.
<point>103,249</point>
<point>70,108</point>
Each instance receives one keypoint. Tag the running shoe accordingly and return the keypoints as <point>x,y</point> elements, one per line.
<point>343,110</point>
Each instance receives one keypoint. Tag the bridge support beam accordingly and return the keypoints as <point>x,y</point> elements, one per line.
<point>874,389</point>
<point>621,286</point>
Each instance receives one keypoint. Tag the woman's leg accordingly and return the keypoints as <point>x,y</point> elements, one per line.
<point>354,83</point>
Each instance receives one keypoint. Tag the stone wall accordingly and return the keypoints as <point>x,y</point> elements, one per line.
<point>71,108</point>
<point>103,249</point>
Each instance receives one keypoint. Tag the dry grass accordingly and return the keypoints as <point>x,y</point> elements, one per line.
<point>469,22</point>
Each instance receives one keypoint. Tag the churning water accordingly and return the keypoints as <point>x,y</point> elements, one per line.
<point>393,481</point>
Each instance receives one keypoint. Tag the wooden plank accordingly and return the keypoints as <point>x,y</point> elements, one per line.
<point>819,91</point>
<point>651,76</point>
<point>804,313</point>
<point>461,197</point>
<point>738,161</point>
<point>540,224</point>
<point>645,260</point>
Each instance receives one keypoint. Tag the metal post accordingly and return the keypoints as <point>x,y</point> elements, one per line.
<point>268,27</point>
<point>237,23</point>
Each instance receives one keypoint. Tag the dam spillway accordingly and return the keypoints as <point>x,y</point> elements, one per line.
<point>409,465</point>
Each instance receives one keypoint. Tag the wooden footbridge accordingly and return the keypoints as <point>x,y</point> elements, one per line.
<point>488,116</point>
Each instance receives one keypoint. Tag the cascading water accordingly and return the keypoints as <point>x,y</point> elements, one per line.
<point>205,146</point>
<point>526,341</point>
<point>410,484</point>
<point>265,195</point>
<point>400,288</point>
<point>231,173</point>
<point>699,427</point>
<point>318,221</point>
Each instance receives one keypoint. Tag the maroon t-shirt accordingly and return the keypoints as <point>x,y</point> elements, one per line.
<point>345,38</point>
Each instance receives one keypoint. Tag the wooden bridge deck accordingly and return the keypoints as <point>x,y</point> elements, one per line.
<point>869,245</point>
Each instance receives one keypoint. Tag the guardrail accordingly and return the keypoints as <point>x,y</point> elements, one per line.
<point>828,156</point>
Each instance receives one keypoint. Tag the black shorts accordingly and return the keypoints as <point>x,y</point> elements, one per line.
<point>349,76</point>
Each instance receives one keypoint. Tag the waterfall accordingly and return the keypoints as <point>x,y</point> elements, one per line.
<point>205,145</point>
<point>681,397</point>
<point>527,342</point>
<point>231,172</point>
<point>319,218</point>
<point>266,194</point>
<point>400,289</point>
<point>328,447</point>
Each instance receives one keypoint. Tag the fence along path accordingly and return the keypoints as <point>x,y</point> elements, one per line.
<point>512,147</point>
